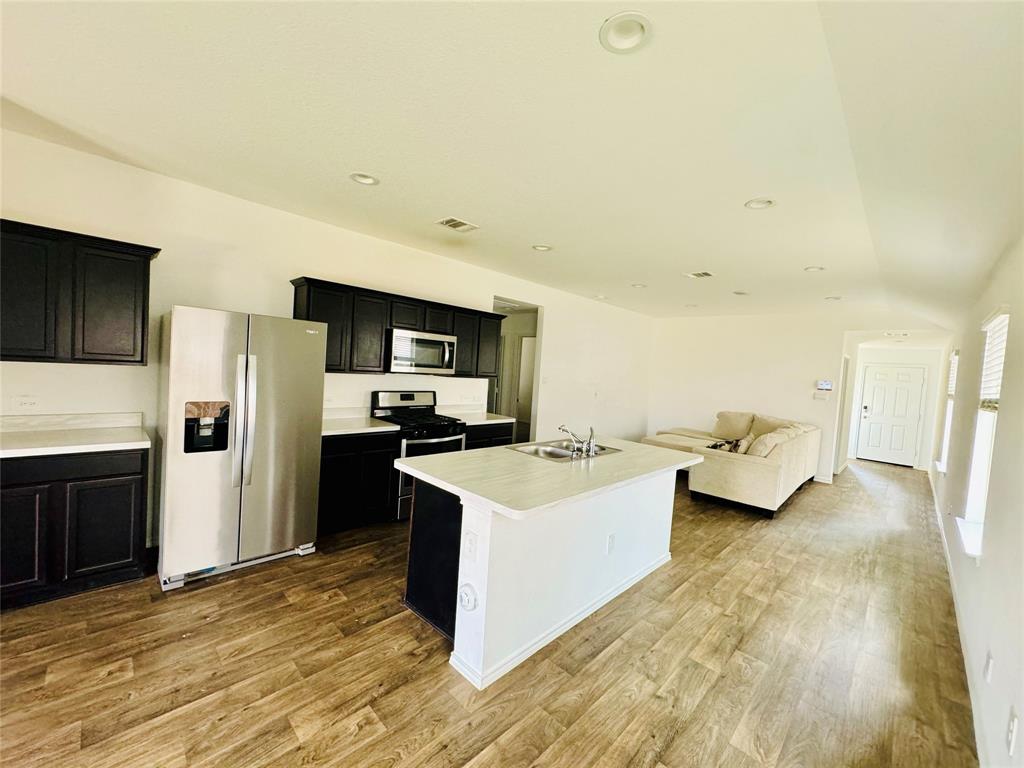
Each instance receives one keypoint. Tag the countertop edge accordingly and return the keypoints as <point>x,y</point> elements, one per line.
<point>523,514</point>
<point>63,450</point>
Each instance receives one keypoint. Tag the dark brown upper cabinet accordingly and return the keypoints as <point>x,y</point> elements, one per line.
<point>320,302</point>
<point>467,331</point>
<point>438,320</point>
<point>489,346</point>
<point>72,298</point>
<point>408,314</point>
<point>369,332</point>
<point>359,319</point>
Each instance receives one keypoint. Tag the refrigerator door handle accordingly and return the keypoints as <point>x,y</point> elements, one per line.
<point>238,414</point>
<point>250,420</point>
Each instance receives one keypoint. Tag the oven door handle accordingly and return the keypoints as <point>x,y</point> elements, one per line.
<point>427,441</point>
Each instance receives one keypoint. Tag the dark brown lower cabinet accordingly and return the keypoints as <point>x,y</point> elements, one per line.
<point>70,523</point>
<point>358,481</point>
<point>489,435</point>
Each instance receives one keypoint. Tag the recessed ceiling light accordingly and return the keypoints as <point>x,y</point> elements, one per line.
<point>814,269</point>
<point>541,247</point>
<point>364,178</point>
<point>638,285</point>
<point>625,32</point>
<point>741,293</point>
<point>759,203</point>
<point>833,298</point>
<point>600,297</point>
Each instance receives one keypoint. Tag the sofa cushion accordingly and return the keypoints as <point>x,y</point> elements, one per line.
<point>762,425</point>
<point>732,425</point>
<point>764,444</point>
<point>676,442</point>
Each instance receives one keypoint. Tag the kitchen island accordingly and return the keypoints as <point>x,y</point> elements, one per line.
<point>508,550</point>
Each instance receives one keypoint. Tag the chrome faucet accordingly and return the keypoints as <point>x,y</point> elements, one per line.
<point>580,447</point>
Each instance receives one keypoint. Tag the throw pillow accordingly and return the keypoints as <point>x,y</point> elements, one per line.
<point>764,444</point>
<point>743,445</point>
<point>732,425</point>
<point>762,425</point>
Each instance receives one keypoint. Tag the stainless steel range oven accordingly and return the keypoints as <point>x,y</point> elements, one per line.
<point>419,352</point>
<point>422,431</point>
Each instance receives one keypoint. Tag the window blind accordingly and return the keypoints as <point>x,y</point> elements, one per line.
<point>992,364</point>
<point>954,364</point>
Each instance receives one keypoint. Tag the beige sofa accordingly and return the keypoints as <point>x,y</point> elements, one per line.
<point>790,457</point>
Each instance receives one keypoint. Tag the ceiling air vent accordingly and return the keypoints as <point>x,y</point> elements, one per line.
<point>699,275</point>
<point>457,224</point>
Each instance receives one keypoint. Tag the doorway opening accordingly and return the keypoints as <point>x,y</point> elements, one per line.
<point>889,408</point>
<point>514,388</point>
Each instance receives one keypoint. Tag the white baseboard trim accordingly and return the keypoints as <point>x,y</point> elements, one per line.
<point>968,662</point>
<point>823,479</point>
<point>482,680</point>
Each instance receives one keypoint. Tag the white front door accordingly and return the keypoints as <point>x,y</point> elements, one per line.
<point>890,414</point>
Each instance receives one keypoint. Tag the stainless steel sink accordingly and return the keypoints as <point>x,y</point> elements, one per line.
<point>558,450</point>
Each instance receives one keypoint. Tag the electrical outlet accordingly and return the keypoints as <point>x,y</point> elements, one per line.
<point>989,661</point>
<point>1011,732</point>
<point>610,545</point>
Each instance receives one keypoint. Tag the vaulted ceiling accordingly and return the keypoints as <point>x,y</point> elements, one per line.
<point>888,133</point>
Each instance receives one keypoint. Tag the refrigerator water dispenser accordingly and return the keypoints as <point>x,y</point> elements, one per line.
<point>206,425</point>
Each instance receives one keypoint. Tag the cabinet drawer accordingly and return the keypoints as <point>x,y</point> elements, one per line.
<point>489,432</point>
<point>39,469</point>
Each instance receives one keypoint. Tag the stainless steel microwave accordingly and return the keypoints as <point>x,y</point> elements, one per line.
<point>419,352</point>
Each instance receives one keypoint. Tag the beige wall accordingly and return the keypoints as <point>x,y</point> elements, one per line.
<point>224,252</point>
<point>989,593</point>
<point>764,363</point>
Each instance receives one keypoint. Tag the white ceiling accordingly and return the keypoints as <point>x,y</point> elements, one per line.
<point>890,133</point>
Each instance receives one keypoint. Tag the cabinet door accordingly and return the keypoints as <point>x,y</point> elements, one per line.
<point>23,537</point>
<point>338,506</point>
<point>369,328</point>
<point>489,346</point>
<point>109,315</point>
<point>28,293</point>
<point>438,320</point>
<point>379,484</point>
<point>406,314</point>
<point>335,309</point>
<point>467,330</point>
<point>104,524</point>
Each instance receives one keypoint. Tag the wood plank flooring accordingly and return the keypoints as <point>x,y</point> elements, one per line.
<point>824,637</point>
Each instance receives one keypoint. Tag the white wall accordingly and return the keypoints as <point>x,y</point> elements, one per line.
<point>224,252</point>
<point>763,363</point>
<point>932,360</point>
<point>989,593</point>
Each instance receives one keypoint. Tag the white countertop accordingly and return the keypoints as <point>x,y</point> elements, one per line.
<point>53,442</point>
<point>517,485</point>
<point>354,425</point>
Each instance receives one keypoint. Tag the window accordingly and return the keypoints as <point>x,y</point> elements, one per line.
<point>970,526</point>
<point>954,364</point>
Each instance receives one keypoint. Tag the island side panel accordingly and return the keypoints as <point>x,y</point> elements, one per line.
<point>535,578</point>
<point>433,568</point>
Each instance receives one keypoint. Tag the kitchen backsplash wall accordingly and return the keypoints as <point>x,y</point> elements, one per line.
<point>352,390</point>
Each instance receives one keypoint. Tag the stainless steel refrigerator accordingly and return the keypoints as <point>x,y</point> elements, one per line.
<point>241,409</point>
